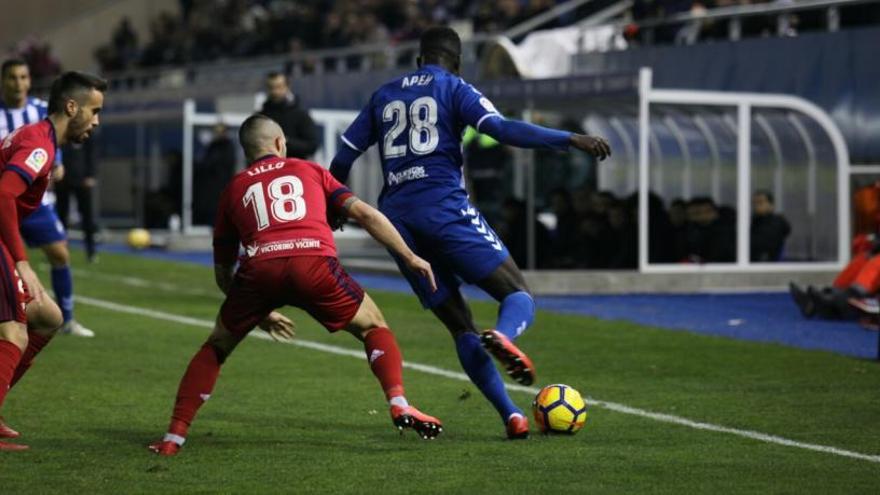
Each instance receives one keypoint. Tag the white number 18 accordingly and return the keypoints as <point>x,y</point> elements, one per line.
<point>287,201</point>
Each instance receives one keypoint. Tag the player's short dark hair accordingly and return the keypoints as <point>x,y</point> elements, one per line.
<point>247,133</point>
<point>703,201</point>
<point>440,42</point>
<point>767,194</point>
<point>70,85</point>
<point>10,63</point>
<point>275,73</point>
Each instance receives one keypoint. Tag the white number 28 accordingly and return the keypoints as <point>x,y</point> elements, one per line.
<point>422,117</point>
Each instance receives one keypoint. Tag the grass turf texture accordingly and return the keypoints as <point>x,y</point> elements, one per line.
<point>294,420</point>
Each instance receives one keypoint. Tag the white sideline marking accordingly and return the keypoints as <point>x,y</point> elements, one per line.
<point>612,406</point>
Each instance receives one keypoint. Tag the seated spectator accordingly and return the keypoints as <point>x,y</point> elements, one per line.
<point>564,237</point>
<point>514,233</point>
<point>711,236</point>
<point>769,230</point>
<point>623,240</point>
<point>678,222</point>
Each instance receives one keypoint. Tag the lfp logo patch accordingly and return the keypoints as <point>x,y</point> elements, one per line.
<point>37,159</point>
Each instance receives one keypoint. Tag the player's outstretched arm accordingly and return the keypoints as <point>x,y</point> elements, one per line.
<point>341,164</point>
<point>12,186</point>
<point>383,231</point>
<point>526,135</point>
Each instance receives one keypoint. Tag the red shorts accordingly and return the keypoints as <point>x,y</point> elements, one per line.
<point>13,293</point>
<point>317,284</point>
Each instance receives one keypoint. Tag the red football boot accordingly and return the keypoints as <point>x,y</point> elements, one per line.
<point>11,447</point>
<point>164,447</point>
<point>518,365</point>
<point>6,431</point>
<point>428,427</point>
<point>517,427</point>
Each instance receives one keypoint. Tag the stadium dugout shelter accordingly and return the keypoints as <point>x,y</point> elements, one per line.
<point>675,143</point>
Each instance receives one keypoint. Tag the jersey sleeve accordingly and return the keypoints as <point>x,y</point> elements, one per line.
<point>473,108</point>
<point>335,192</point>
<point>226,236</point>
<point>31,158</point>
<point>361,134</point>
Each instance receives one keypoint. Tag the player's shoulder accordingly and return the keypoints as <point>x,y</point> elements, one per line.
<point>38,134</point>
<point>38,102</point>
<point>301,166</point>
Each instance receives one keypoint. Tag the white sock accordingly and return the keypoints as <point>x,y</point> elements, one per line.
<point>171,437</point>
<point>514,414</point>
<point>399,400</point>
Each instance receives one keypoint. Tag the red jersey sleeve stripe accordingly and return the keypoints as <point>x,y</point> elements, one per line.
<point>340,196</point>
<point>21,171</point>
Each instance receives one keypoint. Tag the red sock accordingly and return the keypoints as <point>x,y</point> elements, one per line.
<point>195,388</point>
<point>385,360</point>
<point>10,355</point>
<point>36,342</point>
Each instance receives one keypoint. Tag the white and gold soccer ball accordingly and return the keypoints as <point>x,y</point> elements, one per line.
<point>559,409</point>
<point>138,238</point>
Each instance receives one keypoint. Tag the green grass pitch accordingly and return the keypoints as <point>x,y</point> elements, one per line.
<point>287,419</point>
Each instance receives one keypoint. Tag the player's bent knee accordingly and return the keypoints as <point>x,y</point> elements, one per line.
<point>45,317</point>
<point>57,254</point>
<point>368,317</point>
<point>222,341</point>
<point>15,332</point>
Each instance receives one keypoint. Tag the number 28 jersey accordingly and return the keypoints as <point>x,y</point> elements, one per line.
<point>277,207</point>
<point>417,121</point>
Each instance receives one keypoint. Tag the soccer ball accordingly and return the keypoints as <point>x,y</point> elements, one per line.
<point>559,409</point>
<point>138,238</point>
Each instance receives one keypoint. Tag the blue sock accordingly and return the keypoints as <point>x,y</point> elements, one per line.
<point>482,372</point>
<point>516,314</point>
<point>62,284</point>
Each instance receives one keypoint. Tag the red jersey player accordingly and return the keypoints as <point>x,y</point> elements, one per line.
<point>28,317</point>
<point>277,209</point>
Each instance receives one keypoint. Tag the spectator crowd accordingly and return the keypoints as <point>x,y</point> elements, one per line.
<point>207,30</point>
<point>598,230</point>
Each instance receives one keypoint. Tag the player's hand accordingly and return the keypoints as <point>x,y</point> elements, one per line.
<point>279,327</point>
<point>335,220</point>
<point>596,146</point>
<point>423,268</point>
<point>30,279</point>
<point>58,173</point>
<point>89,182</point>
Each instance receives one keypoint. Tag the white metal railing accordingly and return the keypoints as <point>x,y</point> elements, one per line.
<point>744,103</point>
<point>334,122</point>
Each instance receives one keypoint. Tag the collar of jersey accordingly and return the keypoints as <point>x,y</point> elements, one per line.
<point>52,133</point>
<point>434,67</point>
<point>264,157</point>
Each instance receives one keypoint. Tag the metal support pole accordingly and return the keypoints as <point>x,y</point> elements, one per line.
<point>189,109</point>
<point>644,129</point>
<point>744,183</point>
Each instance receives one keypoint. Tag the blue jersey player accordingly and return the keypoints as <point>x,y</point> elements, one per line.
<point>42,228</point>
<point>417,121</point>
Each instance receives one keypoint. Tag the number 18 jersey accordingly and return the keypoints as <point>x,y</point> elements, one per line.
<point>277,207</point>
<point>417,121</point>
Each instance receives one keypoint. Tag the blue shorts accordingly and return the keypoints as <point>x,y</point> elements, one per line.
<point>42,227</point>
<point>457,242</point>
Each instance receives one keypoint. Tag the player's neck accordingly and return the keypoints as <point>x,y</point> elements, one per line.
<point>59,123</point>
<point>13,102</point>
